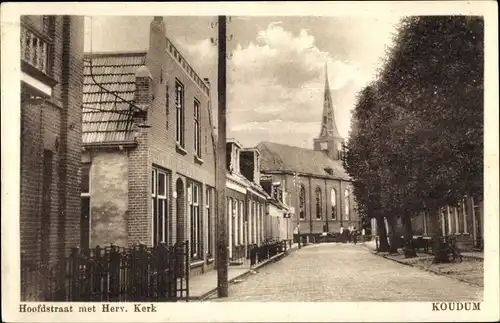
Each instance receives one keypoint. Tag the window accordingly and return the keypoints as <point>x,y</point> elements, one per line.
<point>236,223</point>
<point>232,221</point>
<point>244,222</point>
<point>208,199</point>
<point>302,202</point>
<point>197,130</point>
<point>179,105</point>
<point>324,146</point>
<point>240,224</point>
<point>167,105</point>
<point>464,220</point>
<point>347,204</point>
<point>333,199</point>
<point>159,193</point>
<point>194,210</point>
<point>85,207</point>
<point>318,203</point>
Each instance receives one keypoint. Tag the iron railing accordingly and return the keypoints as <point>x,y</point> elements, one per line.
<point>238,254</point>
<point>266,251</point>
<point>110,274</point>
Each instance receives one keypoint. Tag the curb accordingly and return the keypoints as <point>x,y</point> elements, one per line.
<point>243,275</point>
<point>428,270</point>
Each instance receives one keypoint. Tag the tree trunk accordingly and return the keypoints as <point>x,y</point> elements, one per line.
<point>382,234</point>
<point>409,247</point>
<point>437,245</point>
<point>395,240</point>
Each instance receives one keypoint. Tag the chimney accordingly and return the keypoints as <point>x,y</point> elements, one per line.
<point>157,46</point>
<point>143,88</point>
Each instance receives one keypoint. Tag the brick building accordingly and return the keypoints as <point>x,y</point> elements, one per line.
<point>51,95</point>
<point>321,194</point>
<point>148,150</point>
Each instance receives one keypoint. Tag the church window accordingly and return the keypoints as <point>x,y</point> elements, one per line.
<point>318,203</point>
<point>302,202</point>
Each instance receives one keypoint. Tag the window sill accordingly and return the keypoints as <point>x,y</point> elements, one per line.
<point>196,263</point>
<point>198,160</point>
<point>180,150</point>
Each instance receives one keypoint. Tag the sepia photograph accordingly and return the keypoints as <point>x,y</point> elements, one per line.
<point>207,159</point>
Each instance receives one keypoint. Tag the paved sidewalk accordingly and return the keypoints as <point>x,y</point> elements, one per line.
<point>469,254</point>
<point>470,271</point>
<point>204,285</point>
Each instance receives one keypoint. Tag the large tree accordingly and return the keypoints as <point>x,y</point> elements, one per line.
<point>432,84</point>
<point>361,160</point>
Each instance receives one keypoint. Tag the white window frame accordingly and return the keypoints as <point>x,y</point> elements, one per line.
<point>197,128</point>
<point>464,210</point>
<point>210,235</point>
<point>236,222</point>
<point>179,113</point>
<point>156,198</point>
<point>195,218</point>
<point>240,224</point>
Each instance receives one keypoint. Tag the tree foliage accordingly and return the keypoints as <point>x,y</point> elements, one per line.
<point>417,137</point>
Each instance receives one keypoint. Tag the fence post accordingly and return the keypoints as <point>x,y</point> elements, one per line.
<point>187,269</point>
<point>114,274</point>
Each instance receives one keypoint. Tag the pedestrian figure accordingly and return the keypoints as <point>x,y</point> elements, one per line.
<point>354,235</point>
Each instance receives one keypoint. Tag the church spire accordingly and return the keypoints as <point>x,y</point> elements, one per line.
<point>328,125</point>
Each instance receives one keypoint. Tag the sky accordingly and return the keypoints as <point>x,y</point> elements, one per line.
<point>276,71</point>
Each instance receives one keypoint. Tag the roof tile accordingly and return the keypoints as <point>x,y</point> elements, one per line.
<point>105,117</point>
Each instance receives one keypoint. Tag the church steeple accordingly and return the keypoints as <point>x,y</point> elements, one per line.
<point>328,125</point>
<point>329,139</point>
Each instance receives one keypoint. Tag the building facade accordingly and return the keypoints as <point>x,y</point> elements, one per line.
<point>464,221</point>
<point>320,190</point>
<point>51,96</point>
<point>246,200</point>
<point>149,151</point>
<point>278,225</point>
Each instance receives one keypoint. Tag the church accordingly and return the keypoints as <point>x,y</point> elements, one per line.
<point>317,186</point>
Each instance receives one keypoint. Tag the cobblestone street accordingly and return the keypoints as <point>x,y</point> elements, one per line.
<point>346,272</point>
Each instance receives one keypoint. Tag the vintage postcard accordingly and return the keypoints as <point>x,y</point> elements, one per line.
<point>250,161</point>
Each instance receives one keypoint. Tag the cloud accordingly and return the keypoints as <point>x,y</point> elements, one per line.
<point>280,76</point>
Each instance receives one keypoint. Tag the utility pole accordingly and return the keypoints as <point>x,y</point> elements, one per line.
<point>222,237</point>
<point>297,190</point>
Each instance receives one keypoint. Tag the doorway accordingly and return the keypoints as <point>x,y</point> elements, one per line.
<point>180,207</point>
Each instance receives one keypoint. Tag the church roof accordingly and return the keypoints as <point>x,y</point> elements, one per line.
<point>285,158</point>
